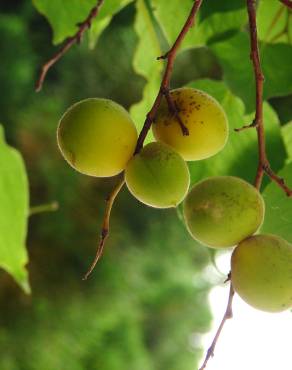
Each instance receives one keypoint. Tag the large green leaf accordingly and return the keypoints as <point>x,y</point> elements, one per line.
<point>209,25</point>
<point>278,218</point>
<point>239,157</point>
<point>145,63</point>
<point>233,55</point>
<point>13,213</point>
<point>274,22</point>
<point>64,15</point>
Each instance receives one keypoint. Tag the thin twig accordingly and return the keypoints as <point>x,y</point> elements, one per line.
<point>227,315</point>
<point>251,125</point>
<point>105,225</point>
<point>68,44</point>
<point>287,3</point>
<point>164,88</point>
<point>263,164</point>
<point>48,207</point>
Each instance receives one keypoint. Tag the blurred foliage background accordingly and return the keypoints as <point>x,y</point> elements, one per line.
<point>145,305</point>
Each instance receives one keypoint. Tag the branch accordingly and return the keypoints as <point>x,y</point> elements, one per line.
<point>264,164</point>
<point>287,3</point>
<point>227,315</point>
<point>163,91</point>
<point>68,44</point>
<point>105,225</point>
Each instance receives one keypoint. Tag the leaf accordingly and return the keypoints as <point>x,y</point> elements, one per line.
<point>287,137</point>
<point>233,55</point>
<point>108,10</point>
<point>211,25</point>
<point>145,63</point>
<point>278,218</point>
<point>64,16</point>
<point>14,200</point>
<point>274,22</point>
<point>239,157</point>
<point>208,8</point>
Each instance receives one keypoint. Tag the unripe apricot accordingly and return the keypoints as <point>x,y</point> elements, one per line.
<point>97,137</point>
<point>222,211</point>
<point>158,176</point>
<point>261,272</point>
<point>204,118</point>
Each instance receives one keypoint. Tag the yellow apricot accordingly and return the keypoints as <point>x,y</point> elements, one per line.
<point>261,272</point>
<point>158,176</point>
<point>97,137</point>
<point>204,118</point>
<point>221,211</point>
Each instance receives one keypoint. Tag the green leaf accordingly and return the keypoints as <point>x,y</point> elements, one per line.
<point>64,16</point>
<point>239,157</point>
<point>287,137</point>
<point>212,25</point>
<point>233,55</point>
<point>278,218</point>
<point>274,22</point>
<point>14,200</point>
<point>108,10</point>
<point>145,63</point>
<point>209,8</point>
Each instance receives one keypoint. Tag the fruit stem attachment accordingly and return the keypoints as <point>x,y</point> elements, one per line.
<point>105,225</point>
<point>172,107</point>
<point>227,316</point>
<point>76,38</point>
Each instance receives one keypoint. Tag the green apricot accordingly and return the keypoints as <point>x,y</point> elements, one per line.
<point>97,137</point>
<point>158,176</point>
<point>204,118</point>
<point>222,211</point>
<point>261,272</point>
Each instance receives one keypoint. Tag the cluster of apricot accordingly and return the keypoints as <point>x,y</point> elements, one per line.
<point>98,138</point>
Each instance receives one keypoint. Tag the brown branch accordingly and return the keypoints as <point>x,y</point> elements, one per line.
<point>68,44</point>
<point>263,165</point>
<point>164,87</point>
<point>227,315</point>
<point>163,91</point>
<point>287,3</point>
<point>105,225</point>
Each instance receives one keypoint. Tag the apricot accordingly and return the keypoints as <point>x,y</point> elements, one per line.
<point>97,137</point>
<point>158,176</point>
<point>222,211</point>
<point>261,272</point>
<point>204,118</point>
